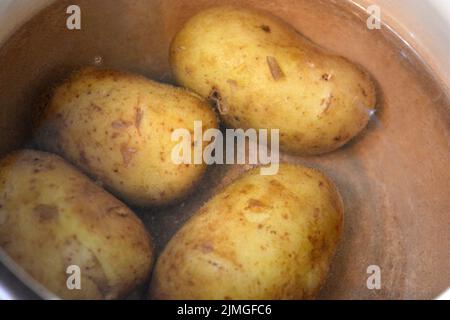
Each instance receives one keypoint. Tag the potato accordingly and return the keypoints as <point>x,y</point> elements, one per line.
<point>118,128</point>
<point>53,217</point>
<point>262,74</point>
<point>262,237</point>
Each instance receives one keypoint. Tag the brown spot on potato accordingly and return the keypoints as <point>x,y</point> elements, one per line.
<point>275,68</point>
<point>119,210</point>
<point>138,118</point>
<point>96,107</point>
<point>231,82</point>
<point>326,103</point>
<point>215,264</point>
<point>327,77</point>
<point>299,136</point>
<point>216,98</point>
<point>127,153</point>
<point>363,91</point>
<point>121,124</point>
<point>319,247</point>
<point>265,28</point>
<point>207,247</point>
<point>276,183</point>
<point>188,70</point>
<point>255,205</point>
<point>45,212</point>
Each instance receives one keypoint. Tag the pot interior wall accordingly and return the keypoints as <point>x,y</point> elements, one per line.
<point>393,178</point>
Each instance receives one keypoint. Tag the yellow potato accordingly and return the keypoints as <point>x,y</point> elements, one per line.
<point>262,237</point>
<point>118,128</point>
<point>263,74</point>
<point>53,217</point>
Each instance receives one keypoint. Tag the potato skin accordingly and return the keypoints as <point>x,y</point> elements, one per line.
<point>262,237</point>
<point>52,216</point>
<point>267,75</point>
<point>117,127</point>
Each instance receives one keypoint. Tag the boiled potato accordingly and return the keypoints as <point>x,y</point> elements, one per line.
<point>262,74</point>
<point>53,217</point>
<point>118,128</point>
<point>262,237</point>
